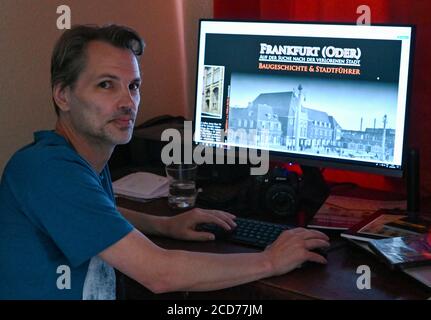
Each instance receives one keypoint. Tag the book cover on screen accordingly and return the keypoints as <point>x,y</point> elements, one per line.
<point>288,94</point>
<point>404,252</point>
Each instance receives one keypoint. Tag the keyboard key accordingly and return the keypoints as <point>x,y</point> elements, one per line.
<point>255,233</point>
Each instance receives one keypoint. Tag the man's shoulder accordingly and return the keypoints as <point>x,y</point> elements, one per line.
<point>36,154</point>
<point>36,157</point>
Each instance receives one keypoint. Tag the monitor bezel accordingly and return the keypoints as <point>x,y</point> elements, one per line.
<point>323,162</point>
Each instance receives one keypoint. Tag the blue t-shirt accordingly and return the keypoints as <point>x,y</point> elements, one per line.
<point>56,214</point>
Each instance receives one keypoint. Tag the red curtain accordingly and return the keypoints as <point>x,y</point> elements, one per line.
<point>382,11</point>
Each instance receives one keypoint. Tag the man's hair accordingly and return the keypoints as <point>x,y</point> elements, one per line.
<point>68,57</point>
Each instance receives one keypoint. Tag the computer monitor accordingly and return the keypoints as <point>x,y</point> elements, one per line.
<point>319,94</point>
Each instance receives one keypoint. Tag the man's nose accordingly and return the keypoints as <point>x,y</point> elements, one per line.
<point>128,100</point>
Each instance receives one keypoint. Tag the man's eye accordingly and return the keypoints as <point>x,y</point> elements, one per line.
<point>105,85</point>
<point>134,86</point>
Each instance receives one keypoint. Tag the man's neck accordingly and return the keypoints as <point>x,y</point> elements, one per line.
<point>95,153</point>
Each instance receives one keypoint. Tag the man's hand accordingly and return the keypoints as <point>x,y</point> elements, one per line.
<point>183,226</point>
<point>292,249</point>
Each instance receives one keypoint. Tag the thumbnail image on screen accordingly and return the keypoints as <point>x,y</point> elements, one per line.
<point>212,93</point>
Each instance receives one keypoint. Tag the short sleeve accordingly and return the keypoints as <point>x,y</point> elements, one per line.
<point>68,202</point>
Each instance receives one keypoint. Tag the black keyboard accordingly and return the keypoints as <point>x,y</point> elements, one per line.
<point>251,232</point>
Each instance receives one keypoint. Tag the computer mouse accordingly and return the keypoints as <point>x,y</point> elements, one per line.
<point>320,251</point>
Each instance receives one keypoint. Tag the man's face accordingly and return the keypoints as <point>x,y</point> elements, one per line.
<point>105,98</point>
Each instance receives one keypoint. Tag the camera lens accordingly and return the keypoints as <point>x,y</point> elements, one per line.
<point>281,200</point>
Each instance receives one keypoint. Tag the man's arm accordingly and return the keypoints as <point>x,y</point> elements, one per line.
<point>146,223</point>
<point>163,270</point>
<point>181,226</point>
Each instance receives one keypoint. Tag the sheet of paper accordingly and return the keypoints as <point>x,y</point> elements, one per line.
<point>142,185</point>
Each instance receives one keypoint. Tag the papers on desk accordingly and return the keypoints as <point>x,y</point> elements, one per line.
<point>141,186</point>
<point>421,273</point>
<point>342,213</point>
<point>374,227</point>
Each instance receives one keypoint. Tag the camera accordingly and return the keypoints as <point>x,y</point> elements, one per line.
<point>276,193</point>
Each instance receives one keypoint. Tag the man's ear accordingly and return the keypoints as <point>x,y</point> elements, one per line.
<point>61,96</point>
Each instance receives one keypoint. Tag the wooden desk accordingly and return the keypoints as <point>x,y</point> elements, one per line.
<point>337,280</point>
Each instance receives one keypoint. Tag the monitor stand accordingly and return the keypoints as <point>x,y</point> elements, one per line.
<point>413,185</point>
<point>414,219</point>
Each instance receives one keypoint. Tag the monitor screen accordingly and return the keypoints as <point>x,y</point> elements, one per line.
<point>332,95</point>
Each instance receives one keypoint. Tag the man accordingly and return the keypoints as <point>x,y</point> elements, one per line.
<point>60,231</point>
